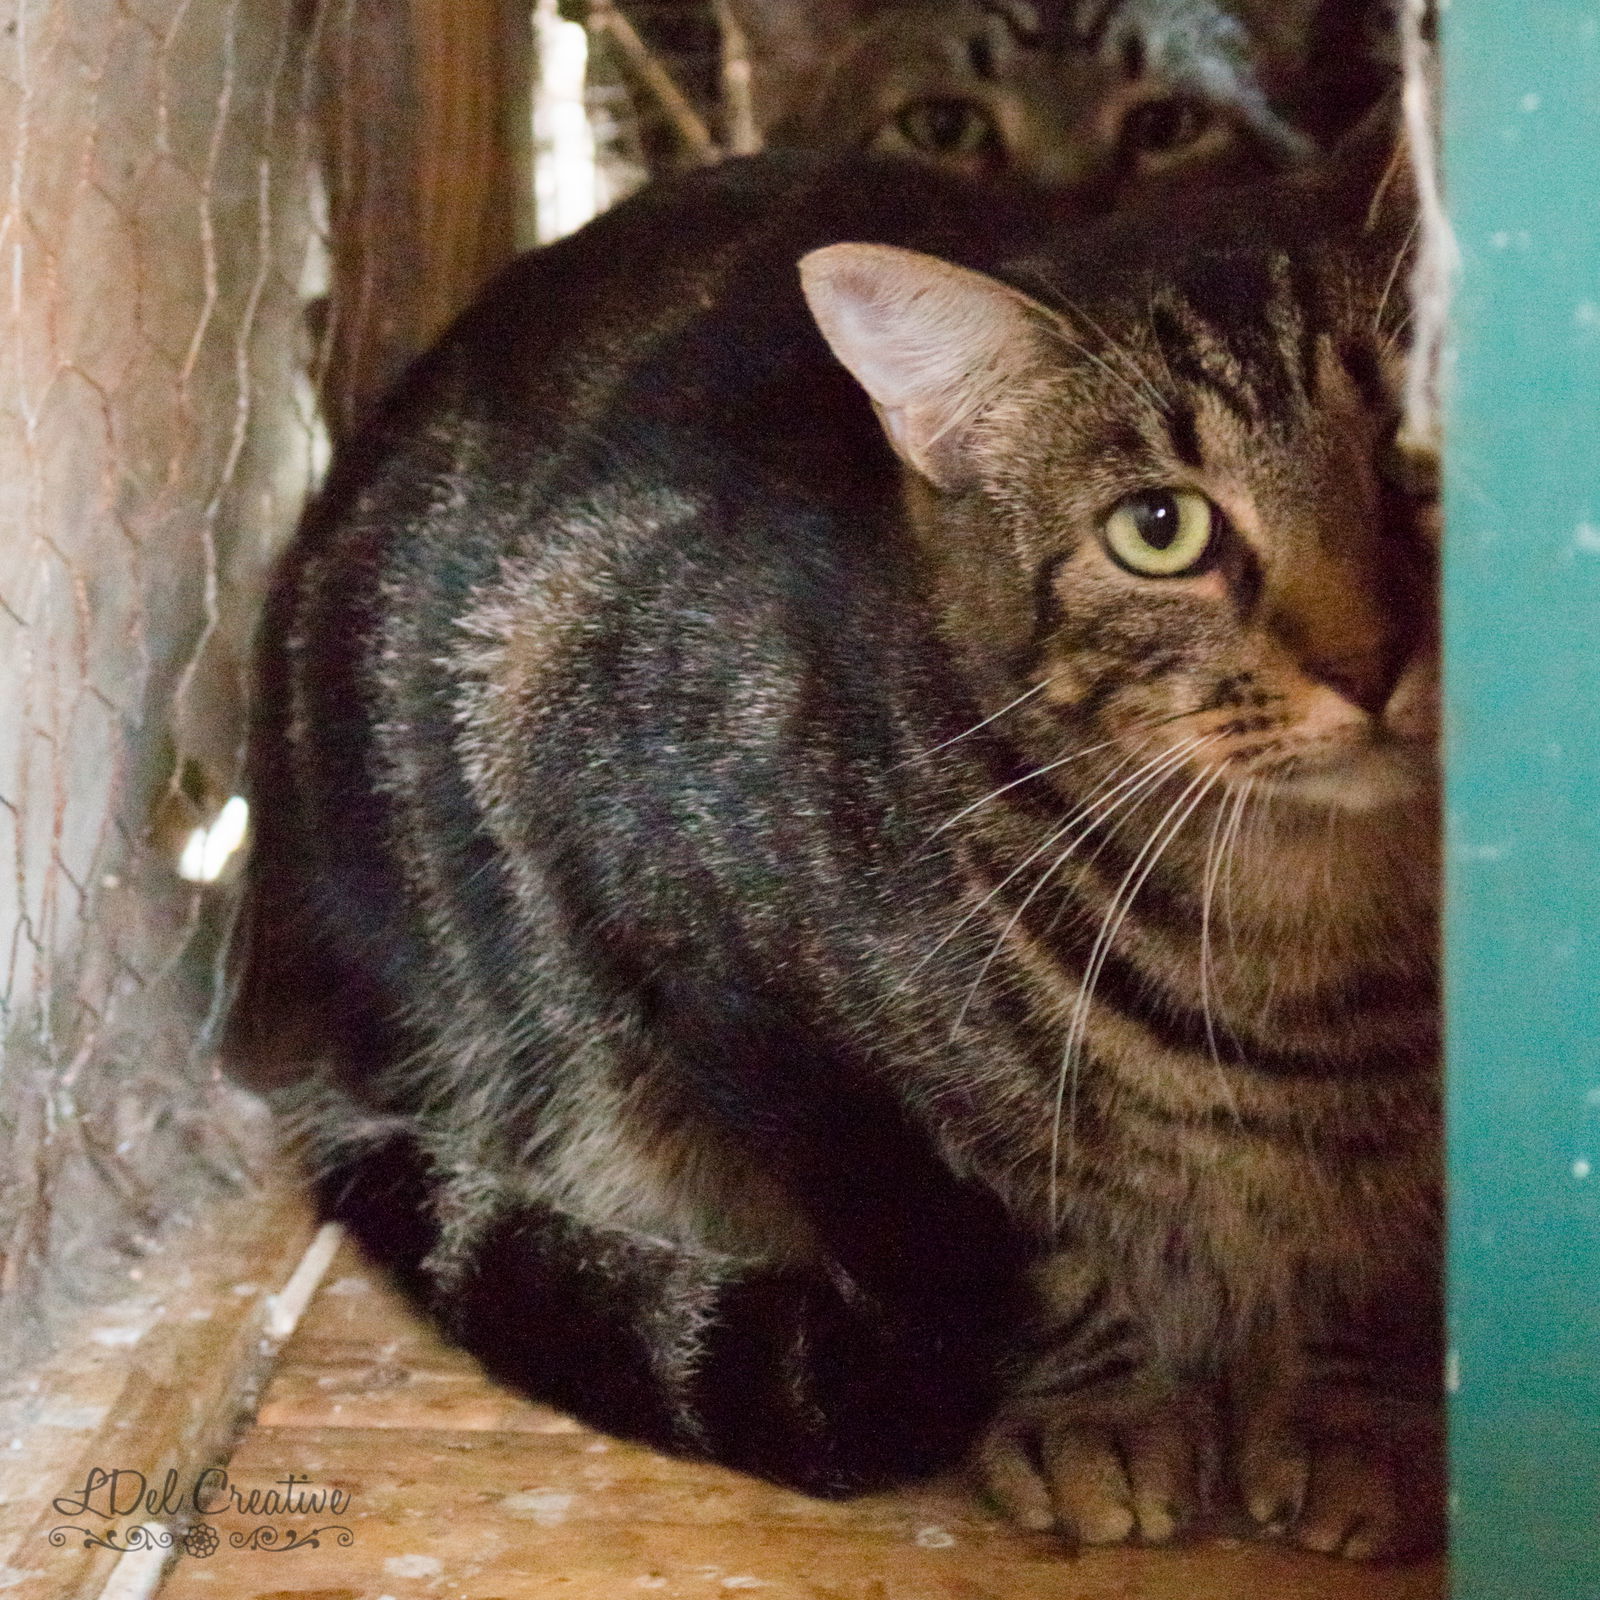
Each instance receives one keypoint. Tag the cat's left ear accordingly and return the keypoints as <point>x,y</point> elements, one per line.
<point>932,344</point>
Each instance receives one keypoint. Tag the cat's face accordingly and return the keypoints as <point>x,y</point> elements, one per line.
<point>1123,98</point>
<point>1173,513</point>
<point>1236,577</point>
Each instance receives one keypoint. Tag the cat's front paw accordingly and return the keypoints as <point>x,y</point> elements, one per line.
<point>1101,1471</point>
<point>1346,1472</point>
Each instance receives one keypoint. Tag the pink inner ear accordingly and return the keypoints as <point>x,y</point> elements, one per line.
<point>931,343</point>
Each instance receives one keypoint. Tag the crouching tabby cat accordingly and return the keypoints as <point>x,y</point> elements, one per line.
<point>835,939</point>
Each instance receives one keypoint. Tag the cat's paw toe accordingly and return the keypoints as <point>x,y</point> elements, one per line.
<point>1095,1482</point>
<point>1364,1483</point>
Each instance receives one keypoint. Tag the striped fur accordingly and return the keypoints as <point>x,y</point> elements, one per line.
<point>665,813</point>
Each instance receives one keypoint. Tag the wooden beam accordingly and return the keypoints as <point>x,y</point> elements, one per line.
<point>424,110</point>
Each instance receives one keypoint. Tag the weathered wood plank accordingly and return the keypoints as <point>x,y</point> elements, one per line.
<point>162,1380</point>
<point>458,1489</point>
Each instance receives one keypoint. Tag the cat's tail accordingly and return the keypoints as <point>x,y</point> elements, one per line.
<point>796,1376</point>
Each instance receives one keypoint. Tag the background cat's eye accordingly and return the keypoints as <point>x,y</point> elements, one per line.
<point>947,127</point>
<point>1162,533</point>
<point>1165,126</point>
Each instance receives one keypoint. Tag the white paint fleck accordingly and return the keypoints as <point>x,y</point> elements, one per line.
<point>1500,239</point>
<point>1588,314</point>
<point>546,1507</point>
<point>117,1336</point>
<point>1581,1168</point>
<point>651,1580</point>
<point>73,1417</point>
<point>243,1289</point>
<point>745,1582</point>
<point>417,1566</point>
<point>1485,852</point>
<point>1587,539</point>
<point>1452,1372</point>
<point>934,1538</point>
<point>1531,102</point>
<point>343,1286</point>
<point>1593,1097</point>
<point>598,1448</point>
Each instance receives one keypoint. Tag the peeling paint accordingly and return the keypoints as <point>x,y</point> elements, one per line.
<point>546,1507</point>
<point>414,1566</point>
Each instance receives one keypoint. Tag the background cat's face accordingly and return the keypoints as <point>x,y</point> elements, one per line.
<point>1104,101</point>
<point>1173,510</point>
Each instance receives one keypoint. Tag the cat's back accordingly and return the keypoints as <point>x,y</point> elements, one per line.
<point>637,430</point>
<point>681,310</point>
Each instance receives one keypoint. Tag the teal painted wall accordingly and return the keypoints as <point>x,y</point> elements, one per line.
<point>1522,646</point>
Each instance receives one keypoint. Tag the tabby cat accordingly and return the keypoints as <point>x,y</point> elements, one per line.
<point>1102,99</point>
<point>860,904</point>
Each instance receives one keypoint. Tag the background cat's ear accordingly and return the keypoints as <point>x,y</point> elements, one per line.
<point>1370,174</point>
<point>932,344</point>
<point>792,43</point>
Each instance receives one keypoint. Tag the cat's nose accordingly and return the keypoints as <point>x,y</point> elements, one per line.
<point>1367,679</point>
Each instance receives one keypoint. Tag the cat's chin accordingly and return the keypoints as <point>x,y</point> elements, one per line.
<point>1380,776</point>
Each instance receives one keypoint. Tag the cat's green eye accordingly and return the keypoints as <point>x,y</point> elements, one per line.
<point>1162,533</point>
<point>947,128</point>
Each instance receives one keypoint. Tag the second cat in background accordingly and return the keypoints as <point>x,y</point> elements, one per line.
<point>1107,102</point>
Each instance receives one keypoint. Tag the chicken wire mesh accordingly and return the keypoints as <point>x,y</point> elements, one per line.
<point>226,225</point>
<point>158,431</point>
<point>209,241</point>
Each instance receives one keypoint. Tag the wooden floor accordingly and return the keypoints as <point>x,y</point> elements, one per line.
<point>458,1491</point>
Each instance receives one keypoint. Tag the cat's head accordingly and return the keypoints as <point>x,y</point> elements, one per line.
<point>1104,101</point>
<point>1165,492</point>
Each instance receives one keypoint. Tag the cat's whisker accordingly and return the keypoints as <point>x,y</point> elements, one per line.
<point>994,716</point>
<point>1133,880</point>
<point>1027,777</point>
<point>1138,387</point>
<point>1217,847</point>
<point>1114,831</point>
<point>1113,800</point>
<point>1144,727</point>
<point>1402,256</point>
<point>1074,817</point>
<point>1254,812</point>
<point>1151,780</point>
